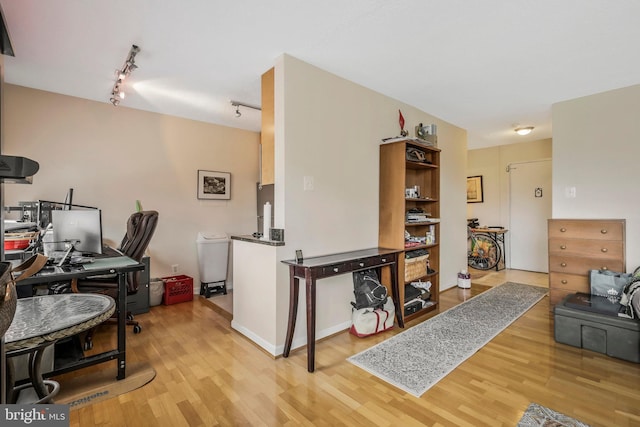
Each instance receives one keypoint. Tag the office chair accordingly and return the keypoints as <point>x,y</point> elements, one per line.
<point>140,229</point>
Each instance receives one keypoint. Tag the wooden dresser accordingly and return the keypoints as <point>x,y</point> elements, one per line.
<point>579,245</point>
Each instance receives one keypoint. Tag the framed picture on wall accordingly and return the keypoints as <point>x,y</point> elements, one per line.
<point>214,185</point>
<point>474,189</point>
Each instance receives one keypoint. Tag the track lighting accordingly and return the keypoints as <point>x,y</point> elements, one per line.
<point>117,93</point>
<point>242,104</point>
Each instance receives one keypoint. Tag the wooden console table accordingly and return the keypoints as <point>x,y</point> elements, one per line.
<point>311,269</point>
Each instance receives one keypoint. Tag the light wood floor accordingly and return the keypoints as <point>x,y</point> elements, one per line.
<point>210,375</point>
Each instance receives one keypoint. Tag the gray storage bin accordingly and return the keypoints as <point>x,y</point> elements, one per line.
<point>614,336</point>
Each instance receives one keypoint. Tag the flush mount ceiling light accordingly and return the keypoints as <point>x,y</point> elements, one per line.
<point>524,130</point>
<point>117,94</point>
<point>242,104</point>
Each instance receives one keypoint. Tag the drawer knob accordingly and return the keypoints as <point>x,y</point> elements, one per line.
<point>604,268</point>
<point>562,230</point>
<point>563,247</point>
<point>603,231</point>
<point>362,264</point>
<point>563,281</point>
<point>604,249</point>
<point>335,269</point>
<point>563,264</point>
<point>384,260</point>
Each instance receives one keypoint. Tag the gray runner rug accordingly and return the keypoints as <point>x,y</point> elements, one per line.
<point>419,357</point>
<point>541,416</point>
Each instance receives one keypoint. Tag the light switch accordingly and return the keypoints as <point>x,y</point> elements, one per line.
<point>308,183</point>
<point>570,192</point>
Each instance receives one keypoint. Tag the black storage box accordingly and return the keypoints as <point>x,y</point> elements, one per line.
<point>412,307</point>
<point>611,335</point>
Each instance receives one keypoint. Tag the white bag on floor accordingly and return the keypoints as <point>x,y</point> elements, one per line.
<point>367,321</point>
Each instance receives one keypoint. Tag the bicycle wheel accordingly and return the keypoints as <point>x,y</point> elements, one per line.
<point>483,252</point>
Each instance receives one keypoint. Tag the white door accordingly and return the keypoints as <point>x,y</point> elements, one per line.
<point>529,209</point>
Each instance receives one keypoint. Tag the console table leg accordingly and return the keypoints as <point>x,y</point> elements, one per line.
<point>294,287</point>
<point>311,320</point>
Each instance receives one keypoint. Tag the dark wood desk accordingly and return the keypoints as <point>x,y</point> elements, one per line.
<point>119,265</point>
<point>320,267</point>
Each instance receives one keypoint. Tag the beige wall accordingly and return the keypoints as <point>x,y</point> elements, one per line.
<point>112,157</point>
<point>330,128</point>
<point>596,150</point>
<point>326,127</point>
<point>492,164</point>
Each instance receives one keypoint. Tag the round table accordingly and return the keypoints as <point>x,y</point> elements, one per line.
<point>41,321</point>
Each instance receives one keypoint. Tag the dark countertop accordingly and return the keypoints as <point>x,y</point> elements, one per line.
<point>251,239</point>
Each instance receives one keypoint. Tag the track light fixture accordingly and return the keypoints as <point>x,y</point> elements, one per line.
<point>242,104</point>
<point>117,94</point>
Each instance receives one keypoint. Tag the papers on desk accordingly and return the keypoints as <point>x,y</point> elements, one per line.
<point>107,263</point>
<point>96,264</point>
<point>10,225</point>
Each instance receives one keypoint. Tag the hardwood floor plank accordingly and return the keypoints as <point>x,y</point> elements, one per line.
<point>209,375</point>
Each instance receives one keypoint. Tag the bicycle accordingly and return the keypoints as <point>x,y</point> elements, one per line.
<point>483,251</point>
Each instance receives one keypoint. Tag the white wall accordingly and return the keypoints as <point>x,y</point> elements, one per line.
<point>331,129</point>
<point>596,150</point>
<point>112,157</point>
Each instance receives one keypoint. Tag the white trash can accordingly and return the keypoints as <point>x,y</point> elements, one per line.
<point>156,292</point>
<point>213,256</point>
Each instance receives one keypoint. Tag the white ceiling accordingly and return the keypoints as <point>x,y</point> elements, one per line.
<point>481,65</point>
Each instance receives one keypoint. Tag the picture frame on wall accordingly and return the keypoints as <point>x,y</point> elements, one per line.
<point>214,185</point>
<point>475,193</point>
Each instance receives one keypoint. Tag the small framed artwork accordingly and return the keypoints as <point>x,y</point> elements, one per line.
<point>214,185</point>
<point>474,189</point>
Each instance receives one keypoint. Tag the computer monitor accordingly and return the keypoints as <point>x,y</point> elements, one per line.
<point>81,228</point>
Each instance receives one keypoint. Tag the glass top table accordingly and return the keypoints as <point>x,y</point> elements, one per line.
<point>40,322</point>
<point>52,317</point>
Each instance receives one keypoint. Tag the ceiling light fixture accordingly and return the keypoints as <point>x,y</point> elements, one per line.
<point>117,93</point>
<point>242,104</point>
<point>524,130</point>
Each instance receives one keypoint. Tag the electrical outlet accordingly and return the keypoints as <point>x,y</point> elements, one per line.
<point>174,268</point>
<point>308,183</point>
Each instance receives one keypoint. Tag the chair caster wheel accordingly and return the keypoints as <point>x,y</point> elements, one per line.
<point>129,317</point>
<point>88,345</point>
<point>137,329</point>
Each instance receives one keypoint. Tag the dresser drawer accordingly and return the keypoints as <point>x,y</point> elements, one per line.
<point>588,248</point>
<point>586,229</point>
<point>334,269</point>
<point>370,262</point>
<point>572,282</point>
<point>582,265</point>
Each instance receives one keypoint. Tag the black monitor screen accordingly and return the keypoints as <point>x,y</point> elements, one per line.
<point>82,228</point>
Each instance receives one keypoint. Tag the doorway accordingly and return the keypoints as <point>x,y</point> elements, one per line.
<point>529,209</point>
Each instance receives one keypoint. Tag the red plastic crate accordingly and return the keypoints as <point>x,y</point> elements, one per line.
<point>177,289</point>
